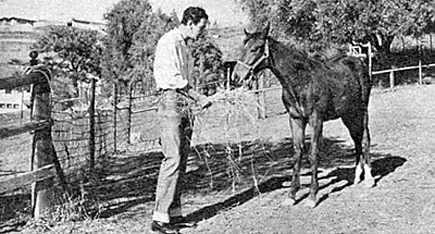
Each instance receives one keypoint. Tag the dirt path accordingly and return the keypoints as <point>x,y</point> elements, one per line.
<point>403,201</point>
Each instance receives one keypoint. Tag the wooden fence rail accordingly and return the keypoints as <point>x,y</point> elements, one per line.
<point>396,69</point>
<point>43,156</point>
<point>29,127</point>
<point>43,173</point>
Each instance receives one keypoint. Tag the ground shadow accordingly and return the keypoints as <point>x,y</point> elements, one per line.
<point>12,210</point>
<point>240,171</point>
<point>381,166</point>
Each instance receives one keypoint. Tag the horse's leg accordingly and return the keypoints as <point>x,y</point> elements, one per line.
<point>368,177</point>
<point>355,125</point>
<point>316,124</point>
<point>297,127</point>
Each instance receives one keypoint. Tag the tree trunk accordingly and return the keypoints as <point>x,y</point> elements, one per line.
<point>382,45</point>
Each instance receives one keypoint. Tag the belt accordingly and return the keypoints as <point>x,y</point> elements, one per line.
<point>180,91</point>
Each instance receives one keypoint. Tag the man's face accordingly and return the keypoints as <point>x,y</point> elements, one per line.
<point>197,29</point>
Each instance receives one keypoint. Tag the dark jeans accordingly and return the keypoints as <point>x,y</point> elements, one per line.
<point>176,122</point>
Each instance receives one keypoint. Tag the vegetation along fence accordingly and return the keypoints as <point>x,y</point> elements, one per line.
<point>69,144</point>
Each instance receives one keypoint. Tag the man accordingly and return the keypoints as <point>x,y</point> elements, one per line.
<point>173,66</point>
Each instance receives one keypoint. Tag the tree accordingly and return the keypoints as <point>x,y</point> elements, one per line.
<point>71,52</point>
<point>319,22</point>
<point>132,33</point>
<point>208,64</point>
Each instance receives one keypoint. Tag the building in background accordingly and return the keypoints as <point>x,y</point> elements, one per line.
<point>14,100</point>
<point>16,37</point>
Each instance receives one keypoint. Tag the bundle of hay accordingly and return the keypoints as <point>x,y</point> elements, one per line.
<point>231,121</point>
<point>237,106</point>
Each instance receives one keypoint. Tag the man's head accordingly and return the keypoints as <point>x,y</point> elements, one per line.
<point>195,20</point>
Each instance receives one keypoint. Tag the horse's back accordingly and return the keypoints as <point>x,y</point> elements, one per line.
<point>349,85</point>
<point>360,73</point>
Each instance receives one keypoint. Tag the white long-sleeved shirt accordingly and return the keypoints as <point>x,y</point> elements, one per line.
<point>173,64</point>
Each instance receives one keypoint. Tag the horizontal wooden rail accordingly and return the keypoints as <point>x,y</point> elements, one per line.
<point>145,110</point>
<point>251,91</point>
<point>13,131</point>
<point>31,78</point>
<point>265,89</point>
<point>402,69</point>
<point>27,178</point>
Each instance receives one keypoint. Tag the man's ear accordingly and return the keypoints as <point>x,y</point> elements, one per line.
<point>190,23</point>
<point>247,34</point>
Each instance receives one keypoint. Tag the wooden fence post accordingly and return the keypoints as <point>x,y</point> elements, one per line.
<point>114,97</point>
<point>42,191</point>
<point>130,107</point>
<point>92,128</point>
<point>261,97</point>
<point>392,77</point>
<point>420,70</point>
<point>370,55</point>
<point>228,78</point>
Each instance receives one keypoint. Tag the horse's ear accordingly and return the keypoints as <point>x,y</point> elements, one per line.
<point>265,31</point>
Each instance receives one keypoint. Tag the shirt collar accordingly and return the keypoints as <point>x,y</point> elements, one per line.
<point>180,36</point>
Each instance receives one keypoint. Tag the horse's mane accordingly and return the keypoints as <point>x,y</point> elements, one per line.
<point>300,58</point>
<point>329,54</point>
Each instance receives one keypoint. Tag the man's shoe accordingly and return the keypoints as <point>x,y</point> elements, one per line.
<point>163,228</point>
<point>182,222</point>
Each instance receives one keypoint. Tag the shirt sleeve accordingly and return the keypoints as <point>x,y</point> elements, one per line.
<point>167,65</point>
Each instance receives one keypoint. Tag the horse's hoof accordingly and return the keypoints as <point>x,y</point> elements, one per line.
<point>310,203</point>
<point>356,182</point>
<point>369,183</point>
<point>288,202</point>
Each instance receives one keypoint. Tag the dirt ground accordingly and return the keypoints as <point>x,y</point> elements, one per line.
<point>249,198</point>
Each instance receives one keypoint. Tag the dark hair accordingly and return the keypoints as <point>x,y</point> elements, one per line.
<point>195,14</point>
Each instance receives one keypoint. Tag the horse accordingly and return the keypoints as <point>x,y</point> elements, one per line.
<point>315,90</point>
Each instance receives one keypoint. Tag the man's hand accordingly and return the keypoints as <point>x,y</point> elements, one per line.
<point>204,102</point>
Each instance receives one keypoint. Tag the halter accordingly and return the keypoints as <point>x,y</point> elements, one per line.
<point>251,68</point>
<point>266,55</point>
<point>263,57</point>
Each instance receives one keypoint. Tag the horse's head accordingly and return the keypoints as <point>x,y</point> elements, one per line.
<point>255,56</point>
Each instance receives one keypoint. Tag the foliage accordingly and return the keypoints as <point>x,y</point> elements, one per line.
<point>71,52</point>
<point>323,22</point>
<point>132,33</point>
<point>208,70</point>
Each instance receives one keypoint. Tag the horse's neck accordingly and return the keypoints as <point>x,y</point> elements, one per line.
<point>287,64</point>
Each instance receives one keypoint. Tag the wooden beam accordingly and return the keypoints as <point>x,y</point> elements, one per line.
<point>13,131</point>
<point>403,69</point>
<point>16,81</point>
<point>27,178</point>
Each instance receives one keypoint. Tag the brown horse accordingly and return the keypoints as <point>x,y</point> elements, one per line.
<point>314,91</point>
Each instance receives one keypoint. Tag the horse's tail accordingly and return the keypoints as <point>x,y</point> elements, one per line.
<point>361,72</point>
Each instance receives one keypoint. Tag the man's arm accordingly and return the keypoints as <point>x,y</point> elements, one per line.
<point>202,100</point>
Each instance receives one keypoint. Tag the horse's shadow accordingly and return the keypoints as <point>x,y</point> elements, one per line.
<point>131,181</point>
<point>339,158</point>
<point>127,183</point>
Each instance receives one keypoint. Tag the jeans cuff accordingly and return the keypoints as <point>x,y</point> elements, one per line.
<point>161,217</point>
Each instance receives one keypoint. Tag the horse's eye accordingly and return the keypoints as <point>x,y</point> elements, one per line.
<point>255,49</point>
